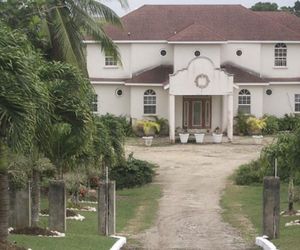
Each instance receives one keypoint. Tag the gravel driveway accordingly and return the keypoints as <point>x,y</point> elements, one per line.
<point>193,177</point>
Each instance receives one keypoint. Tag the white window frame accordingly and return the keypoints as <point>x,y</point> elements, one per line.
<point>297,102</point>
<point>150,101</point>
<point>280,55</point>
<point>110,61</point>
<point>244,100</point>
<point>95,103</point>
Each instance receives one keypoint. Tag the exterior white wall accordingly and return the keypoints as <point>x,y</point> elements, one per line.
<point>250,58</point>
<point>109,102</point>
<point>282,100</point>
<point>137,102</point>
<point>257,99</point>
<point>145,56</point>
<point>183,54</point>
<point>96,62</point>
<point>186,82</point>
<point>293,62</point>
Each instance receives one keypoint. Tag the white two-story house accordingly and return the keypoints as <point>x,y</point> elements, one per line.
<point>198,65</point>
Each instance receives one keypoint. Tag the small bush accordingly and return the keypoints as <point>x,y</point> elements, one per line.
<point>132,173</point>
<point>241,127</point>
<point>272,125</point>
<point>255,125</point>
<point>146,127</point>
<point>250,173</point>
<point>164,126</point>
<point>288,122</point>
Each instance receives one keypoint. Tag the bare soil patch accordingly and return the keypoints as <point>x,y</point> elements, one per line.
<point>33,231</point>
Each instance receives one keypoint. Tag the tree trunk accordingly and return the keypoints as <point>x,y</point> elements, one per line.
<point>291,195</point>
<point>35,197</point>
<point>4,206</point>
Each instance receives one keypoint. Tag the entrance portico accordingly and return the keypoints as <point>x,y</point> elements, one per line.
<point>200,85</point>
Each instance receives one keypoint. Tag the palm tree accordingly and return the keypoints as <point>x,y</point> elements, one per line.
<point>72,122</point>
<point>64,24</point>
<point>22,97</point>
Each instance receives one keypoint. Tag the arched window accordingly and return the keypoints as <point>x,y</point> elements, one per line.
<point>280,55</point>
<point>244,101</point>
<point>149,102</point>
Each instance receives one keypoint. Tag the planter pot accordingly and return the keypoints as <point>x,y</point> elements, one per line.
<point>148,140</point>
<point>199,137</point>
<point>184,138</point>
<point>217,138</point>
<point>258,139</point>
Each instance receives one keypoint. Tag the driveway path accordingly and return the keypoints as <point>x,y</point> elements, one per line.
<point>193,177</point>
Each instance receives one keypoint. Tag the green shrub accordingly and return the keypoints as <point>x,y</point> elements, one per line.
<point>241,127</point>
<point>288,122</point>
<point>272,125</point>
<point>164,126</point>
<point>132,173</point>
<point>146,127</point>
<point>250,173</point>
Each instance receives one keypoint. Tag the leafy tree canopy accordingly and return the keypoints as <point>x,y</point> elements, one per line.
<point>265,6</point>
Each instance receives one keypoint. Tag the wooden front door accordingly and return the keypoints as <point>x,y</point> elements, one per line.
<point>197,112</point>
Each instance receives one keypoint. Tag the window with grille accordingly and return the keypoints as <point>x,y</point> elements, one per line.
<point>149,102</point>
<point>95,103</point>
<point>280,55</point>
<point>297,102</point>
<point>244,101</point>
<point>110,60</point>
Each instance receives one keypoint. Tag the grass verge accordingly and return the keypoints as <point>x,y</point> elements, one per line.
<point>83,235</point>
<point>242,208</point>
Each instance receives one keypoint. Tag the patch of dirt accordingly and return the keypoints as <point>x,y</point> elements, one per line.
<point>33,231</point>
<point>10,246</point>
<point>71,213</point>
<point>193,178</point>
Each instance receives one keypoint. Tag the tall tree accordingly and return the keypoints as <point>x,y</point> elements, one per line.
<point>22,98</point>
<point>265,6</point>
<point>63,24</point>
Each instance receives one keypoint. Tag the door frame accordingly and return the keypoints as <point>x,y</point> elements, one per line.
<point>190,100</point>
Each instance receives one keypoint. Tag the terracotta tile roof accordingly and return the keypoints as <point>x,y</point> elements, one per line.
<point>159,75</point>
<point>292,79</point>
<point>285,18</point>
<point>218,22</point>
<point>108,79</point>
<point>196,32</point>
<point>241,75</point>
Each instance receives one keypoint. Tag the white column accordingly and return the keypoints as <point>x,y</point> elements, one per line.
<point>230,117</point>
<point>224,113</point>
<point>172,118</point>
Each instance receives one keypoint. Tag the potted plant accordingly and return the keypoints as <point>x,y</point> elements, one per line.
<point>184,136</point>
<point>199,137</point>
<point>255,126</point>
<point>150,128</point>
<point>217,135</point>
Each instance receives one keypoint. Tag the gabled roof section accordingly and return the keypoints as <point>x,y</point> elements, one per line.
<point>157,75</point>
<point>242,75</point>
<point>218,22</point>
<point>196,32</point>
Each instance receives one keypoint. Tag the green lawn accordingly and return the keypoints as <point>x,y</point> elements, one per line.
<point>83,235</point>
<point>243,209</point>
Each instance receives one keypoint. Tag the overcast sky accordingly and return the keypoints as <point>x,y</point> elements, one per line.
<point>134,4</point>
